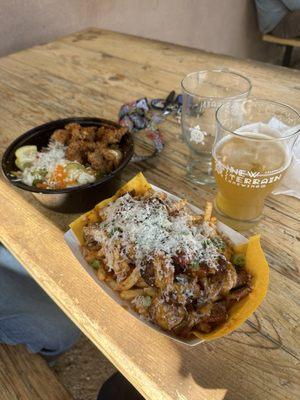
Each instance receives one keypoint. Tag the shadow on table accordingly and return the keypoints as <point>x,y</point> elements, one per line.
<point>236,367</point>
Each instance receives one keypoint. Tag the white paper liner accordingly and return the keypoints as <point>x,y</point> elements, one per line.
<point>74,245</point>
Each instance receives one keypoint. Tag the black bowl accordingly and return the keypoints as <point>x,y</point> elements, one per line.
<point>73,199</point>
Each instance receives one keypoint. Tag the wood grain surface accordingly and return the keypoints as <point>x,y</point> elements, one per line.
<point>92,73</point>
<point>25,376</point>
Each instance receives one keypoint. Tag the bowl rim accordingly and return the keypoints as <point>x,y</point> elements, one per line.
<point>35,131</point>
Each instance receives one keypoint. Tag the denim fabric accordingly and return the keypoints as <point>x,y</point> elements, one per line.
<point>271,12</point>
<point>27,315</point>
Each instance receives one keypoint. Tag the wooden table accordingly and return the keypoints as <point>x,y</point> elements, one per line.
<point>91,74</point>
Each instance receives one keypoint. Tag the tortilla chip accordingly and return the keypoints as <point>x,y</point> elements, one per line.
<point>256,263</point>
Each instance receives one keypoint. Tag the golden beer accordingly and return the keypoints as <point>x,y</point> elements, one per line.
<point>247,169</point>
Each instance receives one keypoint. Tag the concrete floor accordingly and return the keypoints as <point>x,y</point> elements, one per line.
<point>83,369</point>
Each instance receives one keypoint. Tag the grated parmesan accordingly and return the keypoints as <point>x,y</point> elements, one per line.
<point>46,162</point>
<point>146,226</point>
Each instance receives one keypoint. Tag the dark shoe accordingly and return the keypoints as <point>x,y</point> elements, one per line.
<point>118,388</point>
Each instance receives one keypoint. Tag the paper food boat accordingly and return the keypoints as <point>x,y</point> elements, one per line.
<point>256,264</point>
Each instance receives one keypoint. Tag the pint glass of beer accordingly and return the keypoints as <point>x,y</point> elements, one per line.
<point>251,154</point>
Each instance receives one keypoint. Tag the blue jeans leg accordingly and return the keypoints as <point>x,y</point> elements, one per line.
<point>27,315</point>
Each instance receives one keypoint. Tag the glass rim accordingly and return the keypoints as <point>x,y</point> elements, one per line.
<point>223,70</point>
<point>252,100</point>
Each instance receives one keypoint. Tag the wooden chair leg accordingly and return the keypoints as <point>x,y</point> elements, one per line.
<point>287,56</point>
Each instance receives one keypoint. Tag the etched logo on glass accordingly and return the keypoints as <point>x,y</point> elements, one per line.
<point>244,178</point>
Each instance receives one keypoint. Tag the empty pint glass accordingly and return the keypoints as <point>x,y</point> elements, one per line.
<point>251,154</point>
<point>203,92</point>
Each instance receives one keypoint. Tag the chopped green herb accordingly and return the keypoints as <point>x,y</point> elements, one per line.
<point>95,264</point>
<point>219,243</point>
<point>239,260</point>
<point>113,231</point>
<point>205,243</point>
<point>194,266</point>
<point>42,172</point>
<point>36,181</point>
<point>147,301</point>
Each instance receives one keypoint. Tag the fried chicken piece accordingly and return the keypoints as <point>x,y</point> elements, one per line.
<point>113,157</point>
<point>203,327</point>
<point>164,272</point>
<point>100,133</point>
<point>230,279</point>
<point>167,316</point>
<point>218,315</point>
<point>237,294</point>
<point>93,252</point>
<point>89,234</point>
<point>72,127</point>
<point>104,159</point>
<point>74,152</point>
<point>187,324</point>
<point>140,304</point>
<point>185,291</point>
<point>147,272</point>
<point>120,267</point>
<point>61,135</point>
<point>203,270</point>
<point>96,146</point>
<point>89,254</point>
<point>180,261</point>
<point>243,278</point>
<point>97,161</point>
<point>81,140</point>
<point>78,151</point>
<point>221,283</point>
<point>109,135</point>
<point>84,133</point>
<point>158,273</point>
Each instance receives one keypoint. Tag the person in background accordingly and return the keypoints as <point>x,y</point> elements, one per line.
<point>118,388</point>
<point>279,17</point>
<point>28,316</point>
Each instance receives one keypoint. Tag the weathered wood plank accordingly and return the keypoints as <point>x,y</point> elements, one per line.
<point>168,57</point>
<point>25,376</point>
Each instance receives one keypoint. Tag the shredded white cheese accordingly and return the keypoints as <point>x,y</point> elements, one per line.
<point>147,226</point>
<point>46,162</point>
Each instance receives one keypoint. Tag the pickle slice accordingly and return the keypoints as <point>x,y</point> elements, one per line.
<point>22,165</point>
<point>25,155</point>
<point>73,167</point>
<point>28,152</point>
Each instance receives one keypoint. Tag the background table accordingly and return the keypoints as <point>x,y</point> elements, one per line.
<point>91,74</point>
